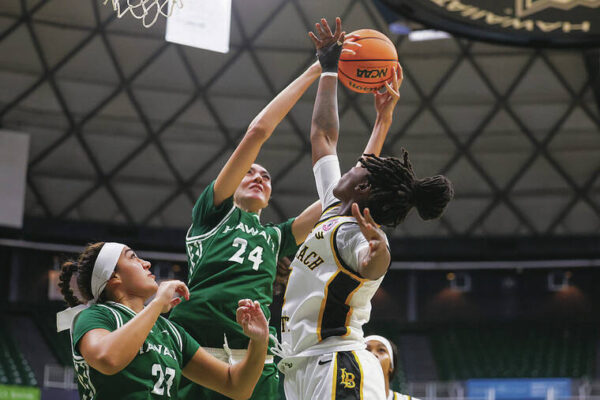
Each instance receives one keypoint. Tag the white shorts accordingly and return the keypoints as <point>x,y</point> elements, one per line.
<point>342,375</point>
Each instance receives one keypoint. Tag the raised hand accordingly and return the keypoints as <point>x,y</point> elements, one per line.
<point>165,295</point>
<point>371,232</point>
<point>386,100</point>
<point>329,44</point>
<point>326,37</point>
<point>252,320</point>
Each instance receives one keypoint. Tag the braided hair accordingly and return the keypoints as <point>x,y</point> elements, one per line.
<point>395,190</point>
<point>84,266</point>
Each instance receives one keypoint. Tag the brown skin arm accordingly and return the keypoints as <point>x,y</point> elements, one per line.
<point>385,104</point>
<point>374,261</point>
<point>258,132</point>
<point>324,129</point>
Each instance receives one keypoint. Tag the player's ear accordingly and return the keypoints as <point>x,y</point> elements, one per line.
<point>114,278</point>
<point>363,188</point>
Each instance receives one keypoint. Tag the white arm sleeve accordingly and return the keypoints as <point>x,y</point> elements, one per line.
<point>327,174</point>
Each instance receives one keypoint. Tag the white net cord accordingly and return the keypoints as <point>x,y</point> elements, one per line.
<point>146,10</point>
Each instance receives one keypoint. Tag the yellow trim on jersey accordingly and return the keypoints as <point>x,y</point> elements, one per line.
<point>324,303</point>
<point>318,224</point>
<point>334,383</point>
<point>344,270</point>
<point>286,285</point>
<point>321,222</point>
<point>331,207</point>
<point>362,375</point>
<point>349,315</point>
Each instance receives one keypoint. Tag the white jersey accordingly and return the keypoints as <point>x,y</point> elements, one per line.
<point>326,303</point>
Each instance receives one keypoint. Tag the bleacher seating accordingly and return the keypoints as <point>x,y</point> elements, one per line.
<point>14,368</point>
<point>514,350</point>
<point>59,343</point>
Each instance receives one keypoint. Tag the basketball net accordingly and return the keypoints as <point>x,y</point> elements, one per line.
<point>146,10</point>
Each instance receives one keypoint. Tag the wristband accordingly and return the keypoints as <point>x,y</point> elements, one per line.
<point>329,74</point>
<point>329,57</point>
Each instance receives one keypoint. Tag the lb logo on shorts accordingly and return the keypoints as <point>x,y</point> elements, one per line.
<point>347,379</point>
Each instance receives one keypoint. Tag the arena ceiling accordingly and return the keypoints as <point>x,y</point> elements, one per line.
<point>128,129</point>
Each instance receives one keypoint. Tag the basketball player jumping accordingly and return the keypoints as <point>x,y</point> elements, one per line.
<point>231,255</point>
<point>345,257</point>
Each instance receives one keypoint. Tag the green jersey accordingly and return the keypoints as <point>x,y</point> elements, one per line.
<point>231,256</point>
<point>155,371</point>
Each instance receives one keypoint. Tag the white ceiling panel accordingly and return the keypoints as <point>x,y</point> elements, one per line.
<point>162,130</point>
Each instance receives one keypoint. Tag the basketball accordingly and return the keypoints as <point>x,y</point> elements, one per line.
<point>371,66</point>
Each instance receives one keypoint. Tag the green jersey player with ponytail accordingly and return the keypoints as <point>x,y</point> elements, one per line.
<point>125,350</point>
<point>232,254</point>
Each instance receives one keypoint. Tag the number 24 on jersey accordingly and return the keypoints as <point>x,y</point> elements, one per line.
<point>255,254</point>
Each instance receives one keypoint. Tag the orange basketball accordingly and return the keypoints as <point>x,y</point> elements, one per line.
<point>371,66</point>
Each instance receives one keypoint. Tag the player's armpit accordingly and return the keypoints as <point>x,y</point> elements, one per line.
<point>305,222</point>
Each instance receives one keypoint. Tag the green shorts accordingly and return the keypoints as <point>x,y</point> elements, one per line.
<point>267,388</point>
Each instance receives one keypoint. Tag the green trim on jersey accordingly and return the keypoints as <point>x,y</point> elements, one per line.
<point>231,256</point>
<point>153,374</point>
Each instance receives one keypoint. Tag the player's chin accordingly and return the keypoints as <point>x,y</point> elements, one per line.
<point>258,200</point>
<point>152,287</point>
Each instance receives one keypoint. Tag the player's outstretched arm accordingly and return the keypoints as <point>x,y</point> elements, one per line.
<point>110,352</point>
<point>373,261</point>
<point>259,130</point>
<point>324,127</point>
<point>236,381</point>
<point>385,103</point>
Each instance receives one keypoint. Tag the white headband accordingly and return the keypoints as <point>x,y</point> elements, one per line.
<point>105,265</point>
<point>386,343</point>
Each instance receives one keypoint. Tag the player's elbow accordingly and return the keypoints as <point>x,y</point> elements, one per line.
<point>243,394</point>
<point>321,133</point>
<point>106,363</point>
<point>258,131</point>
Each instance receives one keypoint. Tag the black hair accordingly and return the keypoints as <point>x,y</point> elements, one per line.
<point>395,190</point>
<point>84,266</point>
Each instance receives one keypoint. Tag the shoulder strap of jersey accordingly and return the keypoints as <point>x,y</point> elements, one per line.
<point>325,211</point>
<point>116,314</point>
<point>175,332</point>
<point>189,238</point>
